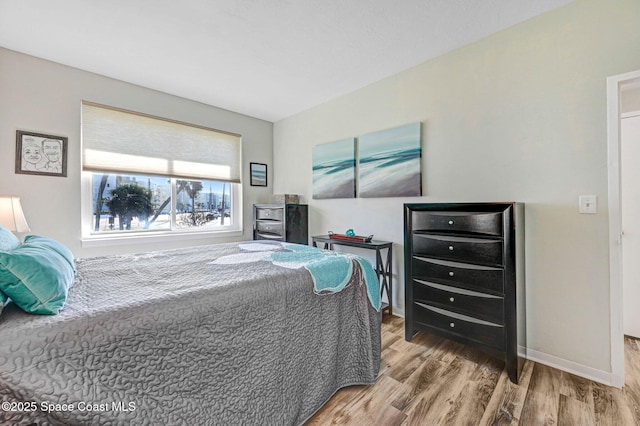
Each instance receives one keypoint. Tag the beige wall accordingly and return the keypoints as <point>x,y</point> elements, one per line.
<point>630,100</point>
<point>518,116</point>
<point>42,96</point>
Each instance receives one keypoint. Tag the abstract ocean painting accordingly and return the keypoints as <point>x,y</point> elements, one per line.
<point>258,173</point>
<point>390,162</point>
<point>334,169</point>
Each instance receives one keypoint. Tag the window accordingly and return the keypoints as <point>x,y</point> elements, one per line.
<point>145,174</point>
<point>142,203</point>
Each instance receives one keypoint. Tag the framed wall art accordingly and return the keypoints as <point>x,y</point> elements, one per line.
<point>258,173</point>
<point>41,154</point>
<point>334,169</point>
<point>390,162</point>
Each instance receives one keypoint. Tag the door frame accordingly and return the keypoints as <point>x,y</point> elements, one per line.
<point>614,84</point>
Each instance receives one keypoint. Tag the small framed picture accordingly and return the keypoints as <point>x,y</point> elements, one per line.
<point>40,154</point>
<point>258,174</point>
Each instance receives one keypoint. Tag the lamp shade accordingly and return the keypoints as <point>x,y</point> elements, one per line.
<point>11,215</point>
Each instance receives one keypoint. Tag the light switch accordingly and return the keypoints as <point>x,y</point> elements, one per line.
<point>588,204</point>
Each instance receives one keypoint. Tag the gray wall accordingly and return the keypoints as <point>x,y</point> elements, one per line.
<point>518,116</point>
<point>42,96</point>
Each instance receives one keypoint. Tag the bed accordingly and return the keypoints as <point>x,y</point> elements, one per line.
<point>234,333</point>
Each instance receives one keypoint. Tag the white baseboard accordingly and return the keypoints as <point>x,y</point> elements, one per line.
<point>398,313</point>
<point>590,373</point>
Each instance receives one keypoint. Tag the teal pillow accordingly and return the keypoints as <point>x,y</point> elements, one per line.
<point>8,241</point>
<point>37,275</point>
<point>54,245</point>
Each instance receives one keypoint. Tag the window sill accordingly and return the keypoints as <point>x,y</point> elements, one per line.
<point>156,237</point>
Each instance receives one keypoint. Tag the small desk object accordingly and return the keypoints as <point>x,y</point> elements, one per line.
<point>383,267</point>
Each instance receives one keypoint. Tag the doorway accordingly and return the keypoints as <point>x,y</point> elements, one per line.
<point>616,85</point>
<point>630,209</point>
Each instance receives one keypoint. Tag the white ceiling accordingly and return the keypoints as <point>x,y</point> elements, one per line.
<point>265,58</point>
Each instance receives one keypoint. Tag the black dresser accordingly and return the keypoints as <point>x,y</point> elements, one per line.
<point>464,275</point>
<point>281,222</point>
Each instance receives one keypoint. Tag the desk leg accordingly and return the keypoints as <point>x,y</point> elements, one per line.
<point>326,246</point>
<point>389,273</point>
<point>384,272</point>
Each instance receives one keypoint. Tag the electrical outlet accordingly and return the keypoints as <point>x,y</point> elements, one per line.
<point>588,204</point>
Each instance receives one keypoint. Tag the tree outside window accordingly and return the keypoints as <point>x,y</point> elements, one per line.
<point>130,201</point>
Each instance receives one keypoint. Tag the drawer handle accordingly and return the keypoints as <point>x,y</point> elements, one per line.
<point>452,324</point>
<point>451,299</point>
<point>450,222</point>
<point>451,273</point>
<point>451,248</point>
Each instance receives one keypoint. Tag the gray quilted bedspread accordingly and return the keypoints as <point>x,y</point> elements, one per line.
<point>176,337</point>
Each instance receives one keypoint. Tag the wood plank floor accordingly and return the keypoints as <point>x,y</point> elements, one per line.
<point>434,381</point>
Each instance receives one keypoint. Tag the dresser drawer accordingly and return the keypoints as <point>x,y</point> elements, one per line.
<point>473,277</point>
<point>268,213</point>
<point>469,250</point>
<point>469,328</point>
<point>270,228</point>
<point>479,223</point>
<point>479,305</point>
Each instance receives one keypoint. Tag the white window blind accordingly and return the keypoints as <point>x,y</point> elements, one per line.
<point>115,140</point>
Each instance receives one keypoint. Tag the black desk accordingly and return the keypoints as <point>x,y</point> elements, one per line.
<point>383,267</point>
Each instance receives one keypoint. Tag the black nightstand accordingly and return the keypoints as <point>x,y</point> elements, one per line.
<point>281,222</point>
